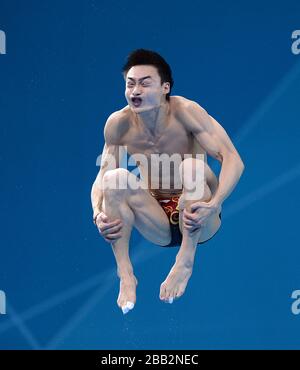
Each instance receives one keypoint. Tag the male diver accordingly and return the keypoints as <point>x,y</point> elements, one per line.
<point>154,122</point>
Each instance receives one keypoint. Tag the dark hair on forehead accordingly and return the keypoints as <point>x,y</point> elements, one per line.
<point>149,57</point>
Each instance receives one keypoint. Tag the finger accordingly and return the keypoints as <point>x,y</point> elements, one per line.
<point>189,213</point>
<point>189,216</point>
<point>112,230</point>
<point>105,226</point>
<point>195,229</point>
<point>108,240</point>
<point>194,226</point>
<point>199,205</point>
<point>187,221</point>
<point>114,222</point>
<point>113,236</point>
<point>105,219</point>
<point>188,227</point>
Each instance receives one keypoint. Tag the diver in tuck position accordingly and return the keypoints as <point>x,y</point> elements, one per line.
<point>183,215</point>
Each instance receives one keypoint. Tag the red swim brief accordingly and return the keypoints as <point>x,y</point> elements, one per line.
<point>171,208</point>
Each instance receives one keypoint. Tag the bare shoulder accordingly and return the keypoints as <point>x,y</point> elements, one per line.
<point>177,102</point>
<point>189,112</point>
<point>116,126</point>
<point>181,104</point>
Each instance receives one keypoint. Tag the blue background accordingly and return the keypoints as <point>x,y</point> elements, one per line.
<point>60,80</point>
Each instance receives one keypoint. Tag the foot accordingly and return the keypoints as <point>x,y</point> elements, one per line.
<point>127,295</point>
<point>174,285</point>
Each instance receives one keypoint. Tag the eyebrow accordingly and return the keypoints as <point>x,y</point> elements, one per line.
<point>141,79</point>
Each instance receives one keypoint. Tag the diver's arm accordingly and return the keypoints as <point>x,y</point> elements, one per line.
<point>111,157</point>
<point>215,141</point>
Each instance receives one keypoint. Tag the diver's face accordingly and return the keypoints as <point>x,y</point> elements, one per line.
<point>143,88</point>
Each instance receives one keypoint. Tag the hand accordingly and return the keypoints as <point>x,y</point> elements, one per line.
<point>110,231</point>
<point>200,212</point>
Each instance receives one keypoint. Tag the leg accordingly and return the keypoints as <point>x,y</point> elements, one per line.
<point>135,208</point>
<point>210,186</point>
<point>175,283</point>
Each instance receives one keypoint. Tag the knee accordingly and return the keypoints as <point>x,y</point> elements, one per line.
<point>187,198</point>
<point>120,181</point>
<point>190,167</point>
<point>192,173</point>
<point>116,179</point>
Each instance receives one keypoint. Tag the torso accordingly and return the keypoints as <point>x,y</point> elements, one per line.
<point>173,136</point>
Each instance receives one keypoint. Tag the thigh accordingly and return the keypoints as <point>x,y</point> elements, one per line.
<point>211,179</point>
<point>150,219</point>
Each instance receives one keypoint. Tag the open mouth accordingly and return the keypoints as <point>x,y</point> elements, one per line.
<point>136,101</point>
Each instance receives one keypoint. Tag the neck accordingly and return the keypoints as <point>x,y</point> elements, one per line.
<point>155,116</point>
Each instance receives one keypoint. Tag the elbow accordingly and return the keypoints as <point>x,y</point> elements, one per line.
<point>94,188</point>
<point>93,191</point>
<point>235,160</point>
<point>241,166</point>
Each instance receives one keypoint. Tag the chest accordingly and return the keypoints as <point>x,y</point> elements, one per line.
<point>172,138</point>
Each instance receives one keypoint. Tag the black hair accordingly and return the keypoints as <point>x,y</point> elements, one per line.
<point>149,57</point>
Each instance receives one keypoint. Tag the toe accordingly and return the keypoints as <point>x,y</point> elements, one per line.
<point>168,295</point>
<point>179,293</point>
<point>130,305</point>
<point>174,295</point>
<point>125,310</point>
<point>162,293</point>
<point>121,303</point>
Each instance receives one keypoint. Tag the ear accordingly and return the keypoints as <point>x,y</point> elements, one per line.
<point>167,87</point>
